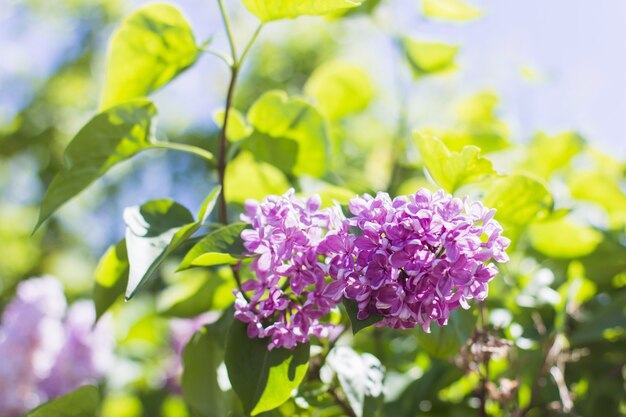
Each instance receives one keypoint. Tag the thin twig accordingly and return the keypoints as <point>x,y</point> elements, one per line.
<point>342,403</point>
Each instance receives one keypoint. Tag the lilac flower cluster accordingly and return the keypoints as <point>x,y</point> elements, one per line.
<point>292,238</point>
<point>411,260</point>
<point>48,350</point>
<point>421,256</point>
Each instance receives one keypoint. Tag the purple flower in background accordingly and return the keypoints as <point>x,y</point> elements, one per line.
<point>48,354</point>
<point>182,331</point>
<point>419,257</point>
<point>297,245</point>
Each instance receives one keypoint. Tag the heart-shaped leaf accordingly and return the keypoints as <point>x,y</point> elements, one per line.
<point>151,47</point>
<point>450,170</point>
<point>279,116</point>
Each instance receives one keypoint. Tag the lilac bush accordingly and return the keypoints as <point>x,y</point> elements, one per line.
<point>411,260</point>
<point>290,293</point>
<point>48,350</point>
<point>421,256</point>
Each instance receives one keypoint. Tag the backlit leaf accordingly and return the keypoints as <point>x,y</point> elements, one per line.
<point>151,47</point>
<point>238,126</point>
<point>518,199</point>
<point>277,115</point>
<point>427,57</point>
<point>267,10</point>
<point>340,89</point>
<point>450,170</point>
<point>563,239</point>
<point>452,10</point>
<point>247,178</point>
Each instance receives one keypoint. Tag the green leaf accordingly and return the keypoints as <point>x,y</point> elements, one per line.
<point>428,58</point>
<point>247,178</point>
<point>196,291</point>
<point>340,89</point>
<point>267,10</point>
<point>280,152</point>
<point>547,154</point>
<point>263,379</point>
<point>450,170</point>
<point>151,47</point>
<point>563,239</point>
<point>209,204</point>
<point>109,138</point>
<point>357,325</point>
<point>279,116</point>
<point>201,358</point>
<point>221,246</point>
<point>82,402</point>
<point>603,189</point>
<point>153,231</point>
<point>361,378</point>
<point>238,126</point>
<point>518,199</point>
<point>111,277</point>
<point>445,342</point>
<point>453,10</point>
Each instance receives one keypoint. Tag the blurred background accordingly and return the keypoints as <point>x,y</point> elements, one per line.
<point>527,66</point>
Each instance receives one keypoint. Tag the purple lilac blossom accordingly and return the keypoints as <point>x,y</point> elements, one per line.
<point>46,354</point>
<point>419,257</point>
<point>296,245</point>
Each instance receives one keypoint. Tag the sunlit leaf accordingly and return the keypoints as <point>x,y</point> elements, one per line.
<point>279,152</point>
<point>450,170</point>
<point>153,231</point>
<point>238,126</point>
<point>563,239</point>
<point>247,178</point>
<point>109,138</point>
<point>277,115</point>
<point>267,10</point>
<point>518,199</point>
<point>82,402</point>
<point>340,89</point>
<point>602,189</point>
<point>195,292</point>
<point>361,378</point>
<point>546,154</point>
<point>151,47</point>
<point>111,277</point>
<point>221,246</point>
<point>263,379</point>
<point>453,10</point>
<point>427,57</point>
